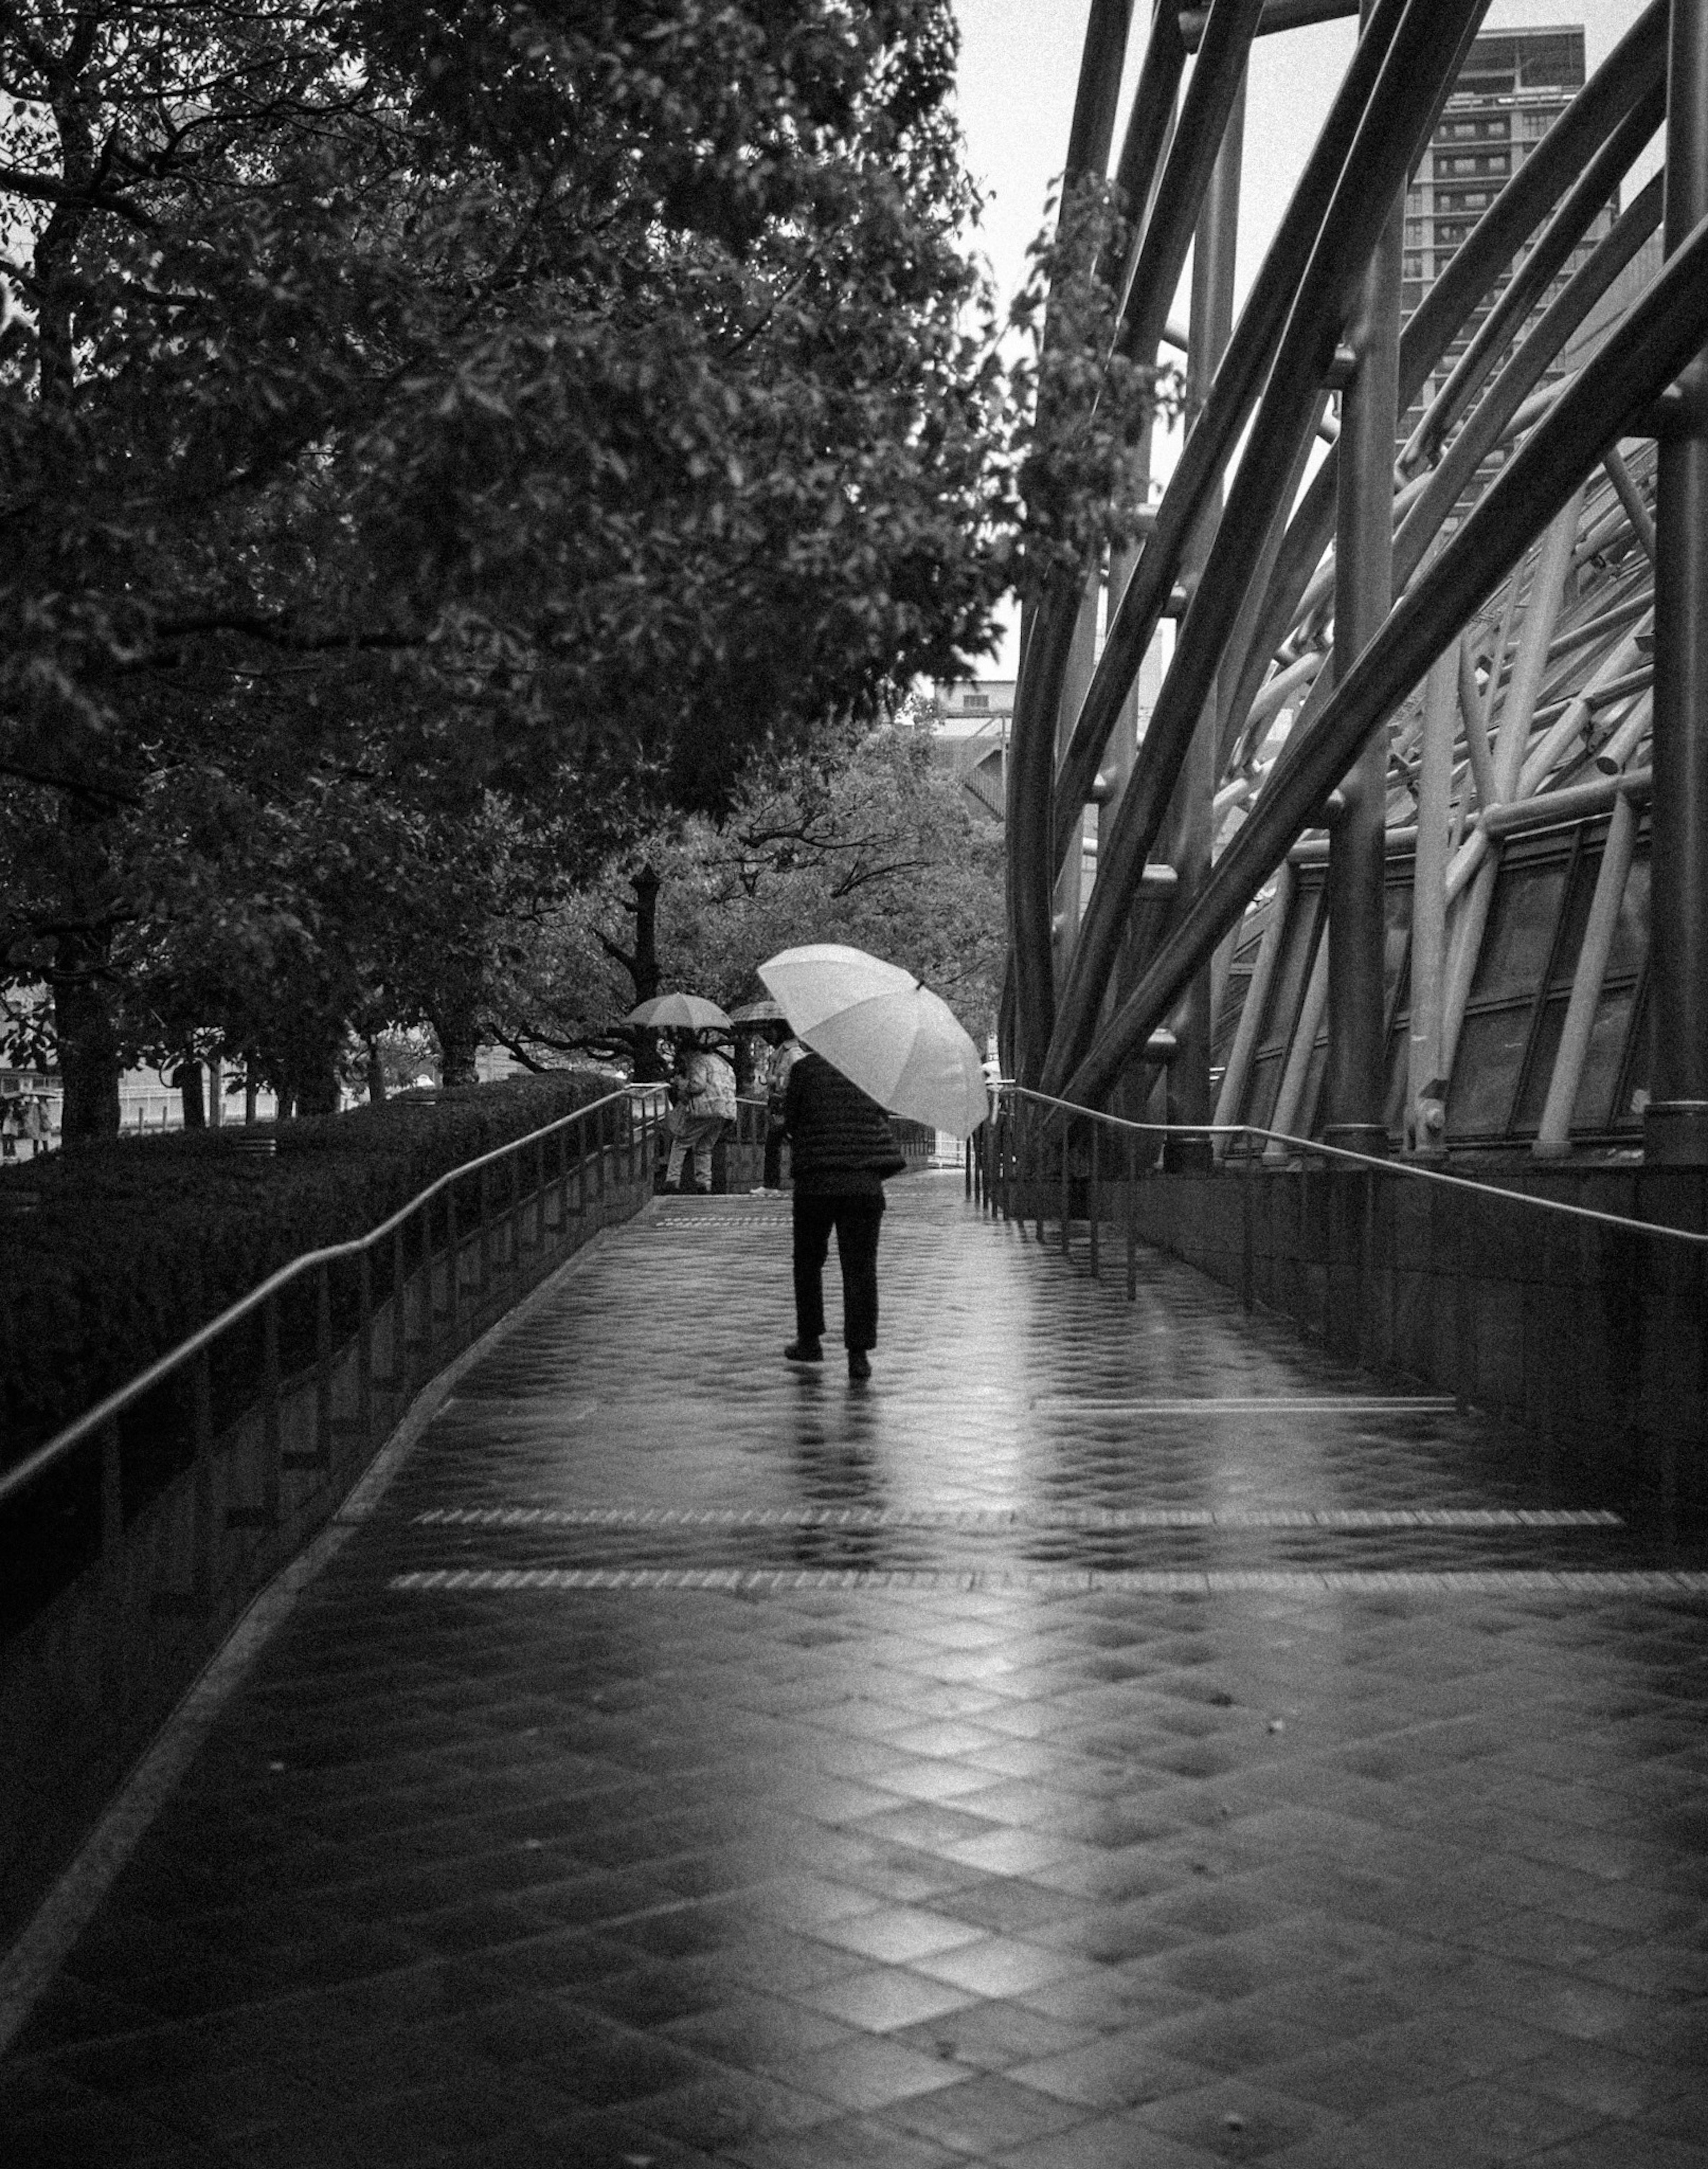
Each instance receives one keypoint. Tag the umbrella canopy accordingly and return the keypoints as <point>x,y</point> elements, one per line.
<point>757,1012</point>
<point>876,1023</point>
<point>678,1013</point>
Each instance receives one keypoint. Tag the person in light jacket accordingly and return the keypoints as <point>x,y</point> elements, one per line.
<point>842,1148</point>
<point>703,1099</point>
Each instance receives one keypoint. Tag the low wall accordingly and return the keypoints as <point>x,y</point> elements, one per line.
<point>1594,1336</point>
<point>87,1684</point>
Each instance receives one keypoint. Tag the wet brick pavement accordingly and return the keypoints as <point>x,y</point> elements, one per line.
<point>1115,1736</point>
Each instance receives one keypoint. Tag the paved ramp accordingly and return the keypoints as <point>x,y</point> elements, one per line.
<point>1113,1735</point>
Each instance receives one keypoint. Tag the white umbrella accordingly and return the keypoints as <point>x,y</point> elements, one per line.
<point>875,1023</point>
<point>680,1013</point>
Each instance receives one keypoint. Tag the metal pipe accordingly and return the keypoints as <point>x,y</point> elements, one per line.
<point>1631,497</point>
<point>1356,1081</point>
<point>1661,331</point>
<point>1500,403</point>
<point>1081,660</point>
<point>1542,613</point>
<point>1256,1000</point>
<point>1422,59</point>
<point>1277,15</point>
<point>1625,740</point>
<point>1238,382</point>
<point>1471,707</point>
<point>1638,61</point>
<point>1553,1137</point>
<point>1300,1049</point>
<point>1470,924</point>
<point>1187,833</point>
<point>1675,1123</point>
<point>1532,276</point>
<point>1426,1074</point>
<point>1575,717</point>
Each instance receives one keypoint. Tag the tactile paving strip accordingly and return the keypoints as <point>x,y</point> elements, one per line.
<point>973,1517</point>
<point>1509,1580</point>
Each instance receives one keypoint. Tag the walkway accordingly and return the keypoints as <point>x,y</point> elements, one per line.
<point>1115,1736</point>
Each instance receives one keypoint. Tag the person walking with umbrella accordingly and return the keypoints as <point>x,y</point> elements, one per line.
<point>876,1039</point>
<point>842,1148</point>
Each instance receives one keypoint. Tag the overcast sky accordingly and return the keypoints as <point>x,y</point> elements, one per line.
<point>1019,63</point>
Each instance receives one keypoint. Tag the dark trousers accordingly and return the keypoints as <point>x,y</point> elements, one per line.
<point>857,1222</point>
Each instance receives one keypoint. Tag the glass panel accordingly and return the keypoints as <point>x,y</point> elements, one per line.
<point>1575,918</point>
<point>1533,1096</point>
<point>1634,1095</point>
<point>1485,1071</point>
<point>1602,1061</point>
<point>1520,930</point>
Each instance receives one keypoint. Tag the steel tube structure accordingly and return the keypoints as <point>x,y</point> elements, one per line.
<point>1421,60</point>
<point>1675,1125</point>
<point>1364,561</point>
<point>1663,332</point>
<point>1510,649</point>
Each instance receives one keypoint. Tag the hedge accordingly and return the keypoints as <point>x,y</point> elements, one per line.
<point>114,1253</point>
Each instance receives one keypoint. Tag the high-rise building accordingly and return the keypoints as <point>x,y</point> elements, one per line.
<point>1512,88</point>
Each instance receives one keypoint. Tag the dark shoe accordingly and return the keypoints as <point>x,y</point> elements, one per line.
<point>803,1351</point>
<point>859,1364</point>
<point>702,1190</point>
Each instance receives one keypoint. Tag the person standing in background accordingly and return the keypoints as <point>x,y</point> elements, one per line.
<point>703,1099</point>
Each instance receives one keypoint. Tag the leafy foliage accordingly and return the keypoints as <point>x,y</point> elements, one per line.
<point>433,425</point>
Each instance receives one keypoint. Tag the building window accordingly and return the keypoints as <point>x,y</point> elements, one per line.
<point>976,700</point>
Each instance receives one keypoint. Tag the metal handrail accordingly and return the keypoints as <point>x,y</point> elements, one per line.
<point>1314,1145</point>
<point>56,1449</point>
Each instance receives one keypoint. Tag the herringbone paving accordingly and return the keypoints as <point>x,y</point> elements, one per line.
<point>1116,1735</point>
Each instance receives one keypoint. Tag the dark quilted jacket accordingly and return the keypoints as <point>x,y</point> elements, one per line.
<point>832,1124</point>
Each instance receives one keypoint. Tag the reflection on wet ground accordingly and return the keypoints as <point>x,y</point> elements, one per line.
<point>1116,1736</point>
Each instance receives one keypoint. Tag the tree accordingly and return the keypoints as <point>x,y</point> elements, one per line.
<point>452,408</point>
<point>877,847</point>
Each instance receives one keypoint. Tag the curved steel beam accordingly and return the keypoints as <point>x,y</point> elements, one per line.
<point>1192,153</point>
<point>1532,277</point>
<point>1032,736</point>
<point>1634,67</point>
<point>1424,56</point>
<point>1521,375</point>
<point>1167,233</point>
<point>1208,448</point>
<point>1661,333</point>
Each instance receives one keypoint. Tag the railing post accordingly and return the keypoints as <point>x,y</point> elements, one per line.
<point>113,1696</point>
<point>365,1344</point>
<point>399,1380</point>
<point>599,1115</point>
<point>1247,1270</point>
<point>454,1261</point>
<point>1067,1178</point>
<point>483,1285</point>
<point>1132,1221</point>
<point>271,1438</point>
<point>1091,1199</point>
<point>202,1524</point>
<point>323,1366</point>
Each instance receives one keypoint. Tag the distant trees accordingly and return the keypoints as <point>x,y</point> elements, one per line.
<point>437,446</point>
<point>877,847</point>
